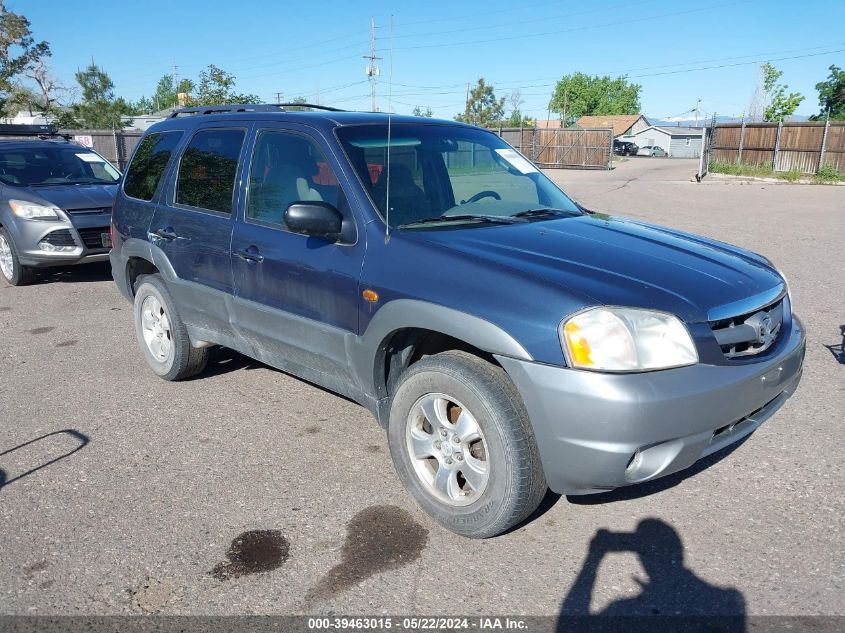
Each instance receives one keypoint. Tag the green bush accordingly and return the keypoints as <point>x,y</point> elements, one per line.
<point>828,173</point>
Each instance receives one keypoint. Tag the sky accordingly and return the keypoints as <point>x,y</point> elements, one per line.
<point>678,52</point>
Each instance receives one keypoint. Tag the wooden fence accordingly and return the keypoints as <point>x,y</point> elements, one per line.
<point>115,146</point>
<point>562,147</point>
<point>565,148</point>
<point>803,146</point>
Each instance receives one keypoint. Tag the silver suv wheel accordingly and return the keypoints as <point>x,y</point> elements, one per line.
<point>7,262</point>
<point>156,329</point>
<point>447,449</point>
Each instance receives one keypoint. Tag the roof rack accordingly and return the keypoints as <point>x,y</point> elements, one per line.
<point>228,108</point>
<point>248,107</point>
<point>39,130</point>
<point>313,106</point>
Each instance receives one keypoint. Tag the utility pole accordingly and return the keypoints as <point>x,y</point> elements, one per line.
<point>697,105</point>
<point>372,70</point>
<point>175,85</point>
<point>565,103</point>
<point>279,97</point>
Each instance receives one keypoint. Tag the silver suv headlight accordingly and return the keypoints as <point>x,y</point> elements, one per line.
<point>33,211</point>
<point>626,339</point>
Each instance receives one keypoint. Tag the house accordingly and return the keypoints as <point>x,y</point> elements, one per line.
<point>678,141</point>
<point>140,121</point>
<point>621,124</point>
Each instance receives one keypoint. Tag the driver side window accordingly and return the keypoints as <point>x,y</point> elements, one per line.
<point>287,168</point>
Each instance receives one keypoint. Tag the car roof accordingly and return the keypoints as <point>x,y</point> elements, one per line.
<point>325,121</point>
<point>16,143</point>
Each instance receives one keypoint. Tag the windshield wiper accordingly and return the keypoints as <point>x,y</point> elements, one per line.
<point>489,219</point>
<point>544,212</point>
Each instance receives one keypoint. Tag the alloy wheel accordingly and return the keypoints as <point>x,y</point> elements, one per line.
<point>447,449</point>
<point>155,327</point>
<point>7,263</point>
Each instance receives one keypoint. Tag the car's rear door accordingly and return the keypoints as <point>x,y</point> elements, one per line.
<point>296,297</point>
<point>192,226</point>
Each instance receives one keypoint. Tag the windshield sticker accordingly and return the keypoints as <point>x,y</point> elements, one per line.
<point>90,158</point>
<point>516,160</point>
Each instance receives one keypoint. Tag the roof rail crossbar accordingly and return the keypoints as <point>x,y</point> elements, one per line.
<point>313,106</point>
<point>228,108</point>
<point>13,129</point>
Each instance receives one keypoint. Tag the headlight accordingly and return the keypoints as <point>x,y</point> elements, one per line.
<point>33,211</point>
<point>626,339</point>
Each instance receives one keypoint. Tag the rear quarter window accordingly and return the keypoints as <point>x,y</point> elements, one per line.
<point>208,169</point>
<point>149,164</point>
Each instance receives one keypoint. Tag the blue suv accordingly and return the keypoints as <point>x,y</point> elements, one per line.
<point>508,339</point>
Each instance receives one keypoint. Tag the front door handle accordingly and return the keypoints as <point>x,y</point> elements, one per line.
<point>250,254</point>
<point>165,234</point>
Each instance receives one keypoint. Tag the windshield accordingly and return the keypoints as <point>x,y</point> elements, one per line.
<point>449,174</point>
<point>59,165</point>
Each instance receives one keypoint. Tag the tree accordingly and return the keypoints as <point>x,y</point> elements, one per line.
<point>482,106</point>
<point>580,95</point>
<point>143,106</point>
<point>780,104</point>
<point>99,109</point>
<point>297,108</point>
<point>18,53</point>
<point>167,95</point>
<point>516,118</point>
<point>216,87</point>
<point>419,111</point>
<point>832,95</point>
<point>47,98</point>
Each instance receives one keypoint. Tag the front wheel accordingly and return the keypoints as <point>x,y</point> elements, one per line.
<point>162,335</point>
<point>10,265</point>
<point>463,446</point>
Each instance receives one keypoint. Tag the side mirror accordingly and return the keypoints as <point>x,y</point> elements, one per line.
<point>318,219</point>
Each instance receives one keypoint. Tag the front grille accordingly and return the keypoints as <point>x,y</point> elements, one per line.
<point>92,238</point>
<point>88,211</point>
<point>751,333</point>
<point>62,237</point>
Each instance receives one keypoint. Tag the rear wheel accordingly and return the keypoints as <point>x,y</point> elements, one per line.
<point>10,265</point>
<point>162,335</point>
<point>462,444</point>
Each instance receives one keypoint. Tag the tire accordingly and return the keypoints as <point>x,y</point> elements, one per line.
<point>13,272</point>
<point>448,386</point>
<point>172,357</point>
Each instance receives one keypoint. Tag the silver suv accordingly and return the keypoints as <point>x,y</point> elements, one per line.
<point>55,202</point>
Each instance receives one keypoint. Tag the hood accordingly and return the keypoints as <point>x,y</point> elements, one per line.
<point>613,261</point>
<point>72,197</point>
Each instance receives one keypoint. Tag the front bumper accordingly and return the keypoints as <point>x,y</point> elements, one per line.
<point>597,432</point>
<point>84,231</point>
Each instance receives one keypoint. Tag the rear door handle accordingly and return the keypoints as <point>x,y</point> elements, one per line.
<point>250,254</point>
<point>165,234</point>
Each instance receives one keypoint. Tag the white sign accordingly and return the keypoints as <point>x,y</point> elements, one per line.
<point>517,160</point>
<point>90,158</point>
<point>84,139</point>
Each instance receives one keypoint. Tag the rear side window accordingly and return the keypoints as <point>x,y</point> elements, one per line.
<point>149,163</point>
<point>208,168</point>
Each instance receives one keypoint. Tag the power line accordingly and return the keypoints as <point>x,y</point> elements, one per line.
<point>578,28</point>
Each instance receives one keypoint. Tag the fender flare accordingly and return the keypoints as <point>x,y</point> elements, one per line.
<point>403,314</point>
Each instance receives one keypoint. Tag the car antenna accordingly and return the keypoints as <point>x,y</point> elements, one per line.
<point>389,114</point>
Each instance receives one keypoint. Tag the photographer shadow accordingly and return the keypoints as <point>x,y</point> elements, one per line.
<point>672,597</point>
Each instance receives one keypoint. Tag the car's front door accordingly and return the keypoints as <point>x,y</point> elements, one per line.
<point>192,226</point>
<point>296,297</point>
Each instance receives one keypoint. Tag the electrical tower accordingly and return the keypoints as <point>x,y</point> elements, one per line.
<point>372,69</point>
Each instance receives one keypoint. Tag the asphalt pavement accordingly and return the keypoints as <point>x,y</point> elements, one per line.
<point>247,491</point>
